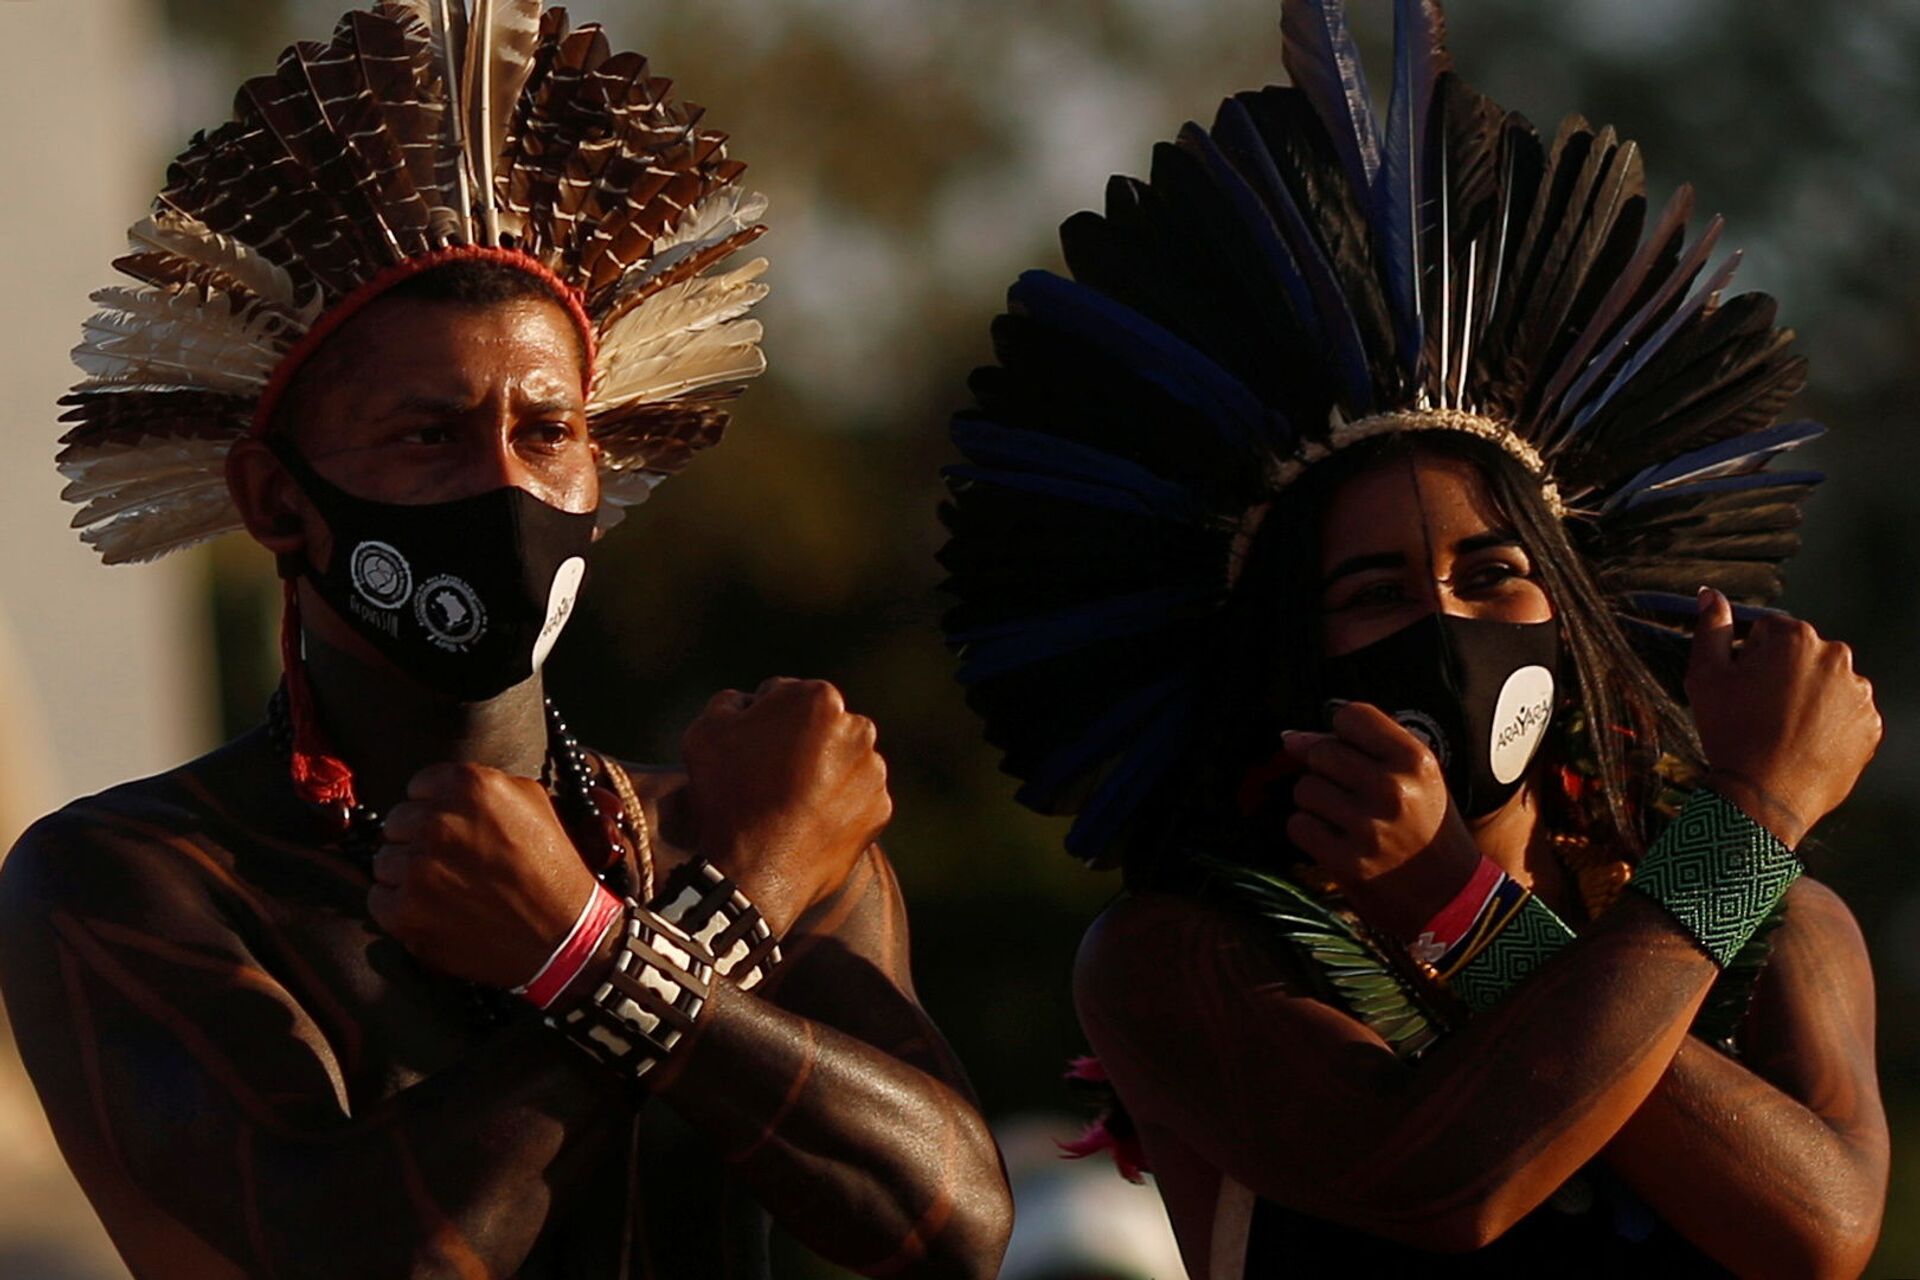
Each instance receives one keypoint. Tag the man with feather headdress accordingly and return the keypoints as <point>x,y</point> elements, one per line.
<point>1356,547</point>
<point>409,982</point>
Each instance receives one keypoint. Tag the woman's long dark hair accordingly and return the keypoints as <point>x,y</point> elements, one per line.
<point>1269,673</point>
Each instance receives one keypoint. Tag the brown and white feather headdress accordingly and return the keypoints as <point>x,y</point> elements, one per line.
<point>421,134</point>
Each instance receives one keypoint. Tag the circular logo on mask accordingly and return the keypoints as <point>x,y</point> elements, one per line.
<point>1428,730</point>
<point>451,612</point>
<point>381,575</point>
<point>1520,722</point>
<point>560,600</point>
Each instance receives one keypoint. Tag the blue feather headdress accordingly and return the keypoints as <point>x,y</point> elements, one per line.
<point>1298,278</point>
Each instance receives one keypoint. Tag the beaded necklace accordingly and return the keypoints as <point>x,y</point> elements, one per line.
<point>601,831</point>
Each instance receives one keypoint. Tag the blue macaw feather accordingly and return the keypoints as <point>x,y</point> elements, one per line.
<point>991,651</point>
<point>1323,61</point>
<point>1254,214</point>
<point>1146,349</point>
<point>1010,449</point>
<point>1339,330</point>
<point>1398,203</point>
<point>1103,738</point>
<point>1084,492</point>
<point>1685,273</point>
<point>1656,344</point>
<point>1739,455</point>
<point>1672,223</point>
<point>1726,484</point>
<point>1123,791</point>
<point>1670,605</point>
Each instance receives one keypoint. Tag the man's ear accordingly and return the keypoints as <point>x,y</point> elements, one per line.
<point>271,505</point>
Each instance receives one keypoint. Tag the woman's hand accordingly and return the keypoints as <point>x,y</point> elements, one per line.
<point>1786,724</point>
<point>1374,812</point>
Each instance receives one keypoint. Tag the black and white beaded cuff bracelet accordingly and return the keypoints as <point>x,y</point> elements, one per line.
<point>711,910</point>
<point>649,1002</point>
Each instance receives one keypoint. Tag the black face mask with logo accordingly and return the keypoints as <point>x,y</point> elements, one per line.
<point>1479,693</point>
<point>466,597</point>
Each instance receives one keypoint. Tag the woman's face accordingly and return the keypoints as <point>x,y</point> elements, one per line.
<point>1414,535</point>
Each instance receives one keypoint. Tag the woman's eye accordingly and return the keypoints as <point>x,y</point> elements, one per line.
<point>1373,595</point>
<point>1496,574</point>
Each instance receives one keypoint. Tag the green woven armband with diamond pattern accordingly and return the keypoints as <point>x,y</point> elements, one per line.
<point>1529,940</point>
<point>1718,872</point>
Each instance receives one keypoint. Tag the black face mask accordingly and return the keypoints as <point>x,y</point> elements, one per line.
<point>1478,693</point>
<point>466,597</point>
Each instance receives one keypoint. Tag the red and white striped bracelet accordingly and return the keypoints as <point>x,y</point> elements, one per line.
<point>572,955</point>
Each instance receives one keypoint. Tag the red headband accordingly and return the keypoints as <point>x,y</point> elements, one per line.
<point>354,303</point>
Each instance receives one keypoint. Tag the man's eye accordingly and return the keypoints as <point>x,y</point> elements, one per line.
<point>434,434</point>
<point>548,434</point>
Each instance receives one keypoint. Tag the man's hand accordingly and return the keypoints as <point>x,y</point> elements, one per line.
<point>786,791</point>
<point>1786,724</point>
<point>477,877</point>
<point>1374,812</point>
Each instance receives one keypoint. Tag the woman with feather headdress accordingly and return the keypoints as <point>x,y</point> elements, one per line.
<point>1331,546</point>
<point>408,982</point>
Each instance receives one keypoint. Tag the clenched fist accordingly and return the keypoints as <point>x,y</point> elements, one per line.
<point>1374,812</point>
<point>1786,724</point>
<point>477,878</point>
<point>785,791</point>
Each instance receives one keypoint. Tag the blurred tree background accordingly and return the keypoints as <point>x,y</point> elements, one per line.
<point>918,154</point>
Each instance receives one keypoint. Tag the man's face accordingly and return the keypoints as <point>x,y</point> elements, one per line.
<point>417,402</point>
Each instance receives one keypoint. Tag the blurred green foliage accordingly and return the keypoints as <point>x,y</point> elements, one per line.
<point>919,154</point>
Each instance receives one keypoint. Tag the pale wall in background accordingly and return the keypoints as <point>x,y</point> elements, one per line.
<point>102,671</point>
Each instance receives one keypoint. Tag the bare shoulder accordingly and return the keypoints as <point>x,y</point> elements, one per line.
<point>101,854</point>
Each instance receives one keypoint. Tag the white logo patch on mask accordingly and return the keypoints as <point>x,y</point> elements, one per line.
<point>451,612</point>
<point>560,601</point>
<point>381,575</point>
<point>1520,722</point>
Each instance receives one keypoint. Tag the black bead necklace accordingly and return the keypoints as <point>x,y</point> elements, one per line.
<point>566,775</point>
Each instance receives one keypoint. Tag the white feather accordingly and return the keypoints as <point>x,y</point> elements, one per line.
<point>628,488</point>
<point>147,533</point>
<point>689,335</point>
<point>105,469</point>
<point>723,213</point>
<point>183,236</point>
<point>186,337</point>
<point>730,353</point>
